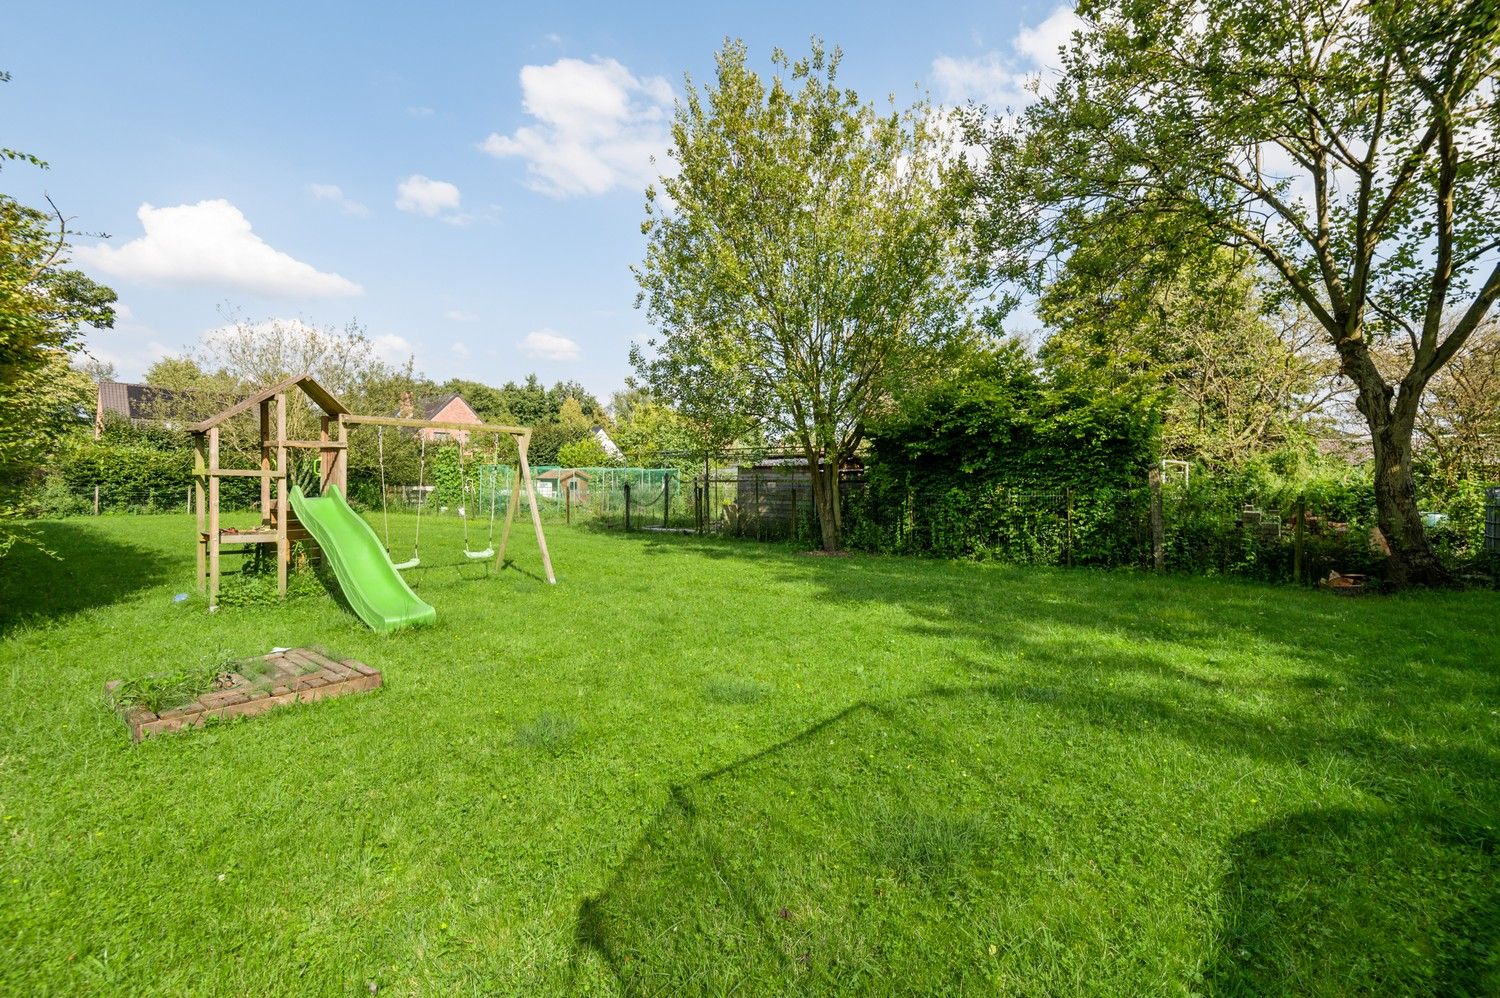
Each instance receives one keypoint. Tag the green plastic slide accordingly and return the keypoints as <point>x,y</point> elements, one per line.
<point>370,582</point>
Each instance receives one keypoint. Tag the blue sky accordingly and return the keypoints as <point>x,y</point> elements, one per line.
<point>465,180</point>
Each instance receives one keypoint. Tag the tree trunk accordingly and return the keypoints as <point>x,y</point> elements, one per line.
<point>825,485</point>
<point>1391,419</point>
<point>1412,561</point>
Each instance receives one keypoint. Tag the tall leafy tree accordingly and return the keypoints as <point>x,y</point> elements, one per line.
<point>1231,378</point>
<point>1351,145</point>
<point>43,308</point>
<point>803,255</point>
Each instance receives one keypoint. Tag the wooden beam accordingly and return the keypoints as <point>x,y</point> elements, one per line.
<point>213,519</point>
<point>510,516</point>
<point>522,444</point>
<point>326,458</point>
<point>283,548</point>
<point>309,387</point>
<point>265,462</point>
<point>240,472</point>
<point>200,474</point>
<point>341,461</point>
<point>418,424</point>
<point>311,444</point>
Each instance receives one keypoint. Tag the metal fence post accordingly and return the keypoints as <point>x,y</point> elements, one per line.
<point>627,507</point>
<point>1298,540</point>
<point>666,498</point>
<point>1068,522</point>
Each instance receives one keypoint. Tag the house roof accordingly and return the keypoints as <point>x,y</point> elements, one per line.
<point>134,401</point>
<point>431,407</point>
<point>320,395</point>
<point>428,408</point>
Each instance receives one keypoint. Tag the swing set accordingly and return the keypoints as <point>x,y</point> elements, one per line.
<point>522,479</point>
<point>342,534</point>
<point>416,540</point>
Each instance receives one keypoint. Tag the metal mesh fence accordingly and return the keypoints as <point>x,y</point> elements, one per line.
<point>572,495</point>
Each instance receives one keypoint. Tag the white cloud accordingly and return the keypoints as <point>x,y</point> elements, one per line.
<point>459,348</point>
<point>392,349</point>
<point>1008,79</point>
<point>459,315</point>
<point>1042,45</point>
<point>597,127</point>
<point>332,192</point>
<point>988,79</point>
<point>546,344</point>
<point>210,243</point>
<point>420,112</point>
<point>425,196</point>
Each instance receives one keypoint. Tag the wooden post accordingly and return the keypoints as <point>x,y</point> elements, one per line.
<point>283,549</point>
<point>1158,540</point>
<point>200,472</point>
<point>213,518</point>
<point>341,461</point>
<point>327,459</point>
<point>265,462</point>
<point>1298,537</point>
<point>627,507</point>
<point>522,445</point>
<point>510,516</point>
<point>96,500</point>
<point>698,507</point>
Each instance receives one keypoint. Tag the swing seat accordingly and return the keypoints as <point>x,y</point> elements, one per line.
<point>404,565</point>
<point>479,555</point>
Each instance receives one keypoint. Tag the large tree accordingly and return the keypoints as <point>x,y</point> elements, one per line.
<point>1230,377</point>
<point>1350,144</point>
<point>44,306</point>
<point>802,255</point>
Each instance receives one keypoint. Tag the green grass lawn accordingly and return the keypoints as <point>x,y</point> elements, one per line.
<point>701,767</point>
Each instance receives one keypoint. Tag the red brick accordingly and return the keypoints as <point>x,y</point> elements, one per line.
<point>323,661</point>
<point>185,710</point>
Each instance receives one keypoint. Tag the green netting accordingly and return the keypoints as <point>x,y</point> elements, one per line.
<point>594,491</point>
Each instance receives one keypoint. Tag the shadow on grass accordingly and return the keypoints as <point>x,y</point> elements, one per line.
<point>90,570</point>
<point>861,854</point>
<point>905,846</point>
<point>1309,893</point>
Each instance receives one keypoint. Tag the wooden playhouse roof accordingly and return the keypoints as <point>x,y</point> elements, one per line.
<point>320,396</point>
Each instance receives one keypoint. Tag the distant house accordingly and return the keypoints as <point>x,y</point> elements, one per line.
<point>555,482</point>
<point>142,405</point>
<point>610,447</point>
<point>450,408</point>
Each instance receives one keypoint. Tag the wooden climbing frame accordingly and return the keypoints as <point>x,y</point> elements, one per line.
<point>279,524</point>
